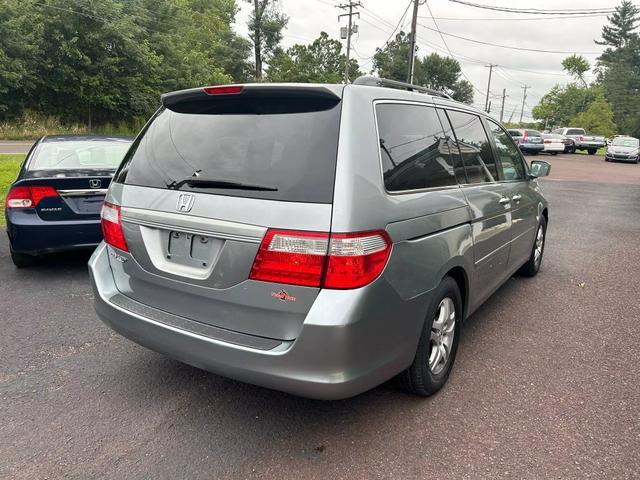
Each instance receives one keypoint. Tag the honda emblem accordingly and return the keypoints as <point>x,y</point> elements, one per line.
<point>95,183</point>
<point>185,202</point>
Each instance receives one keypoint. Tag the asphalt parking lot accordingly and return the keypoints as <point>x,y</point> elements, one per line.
<point>546,383</point>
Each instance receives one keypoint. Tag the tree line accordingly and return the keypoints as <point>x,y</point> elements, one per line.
<point>109,60</point>
<point>610,104</point>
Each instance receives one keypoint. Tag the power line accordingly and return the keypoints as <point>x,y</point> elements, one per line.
<point>448,49</point>
<point>506,46</point>
<point>533,11</point>
<point>532,19</point>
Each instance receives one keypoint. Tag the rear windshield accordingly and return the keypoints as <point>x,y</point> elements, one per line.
<point>82,154</point>
<point>533,133</point>
<point>293,155</point>
<point>575,131</point>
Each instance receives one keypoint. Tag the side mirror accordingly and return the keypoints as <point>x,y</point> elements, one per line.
<point>540,168</point>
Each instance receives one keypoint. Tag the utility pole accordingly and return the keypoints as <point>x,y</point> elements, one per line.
<point>524,98</point>
<point>351,5</point>
<point>504,95</point>
<point>486,102</point>
<point>412,45</point>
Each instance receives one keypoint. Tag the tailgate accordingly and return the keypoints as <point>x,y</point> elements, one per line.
<point>197,265</point>
<point>201,186</point>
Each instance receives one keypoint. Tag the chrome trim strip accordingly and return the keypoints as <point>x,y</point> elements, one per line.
<point>82,192</point>
<point>191,224</point>
<point>504,245</point>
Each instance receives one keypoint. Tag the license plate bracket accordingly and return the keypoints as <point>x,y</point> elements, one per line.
<point>191,249</point>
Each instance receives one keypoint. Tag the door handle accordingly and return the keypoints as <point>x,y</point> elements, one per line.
<point>516,198</point>
<point>504,201</point>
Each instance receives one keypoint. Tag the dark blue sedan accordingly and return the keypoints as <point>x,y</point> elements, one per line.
<point>54,204</point>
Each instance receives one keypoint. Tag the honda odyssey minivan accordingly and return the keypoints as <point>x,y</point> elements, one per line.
<point>315,239</point>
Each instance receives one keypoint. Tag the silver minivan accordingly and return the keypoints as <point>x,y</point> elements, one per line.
<point>315,239</point>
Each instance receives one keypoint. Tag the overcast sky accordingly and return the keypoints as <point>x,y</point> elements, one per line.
<point>378,18</point>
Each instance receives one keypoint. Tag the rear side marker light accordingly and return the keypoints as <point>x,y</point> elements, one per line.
<point>317,259</point>
<point>112,226</point>
<point>29,197</point>
<point>223,90</point>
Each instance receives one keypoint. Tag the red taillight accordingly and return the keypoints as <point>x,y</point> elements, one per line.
<point>345,260</point>
<point>581,138</point>
<point>547,141</point>
<point>356,259</point>
<point>524,136</point>
<point>287,256</point>
<point>29,197</point>
<point>223,90</point>
<point>112,226</point>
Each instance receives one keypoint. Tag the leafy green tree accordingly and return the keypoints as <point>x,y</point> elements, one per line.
<point>17,45</point>
<point>322,61</point>
<point>597,119</point>
<point>562,103</point>
<point>432,71</point>
<point>392,60</point>
<point>577,66</point>
<point>619,67</point>
<point>621,31</point>
<point>266,23</point>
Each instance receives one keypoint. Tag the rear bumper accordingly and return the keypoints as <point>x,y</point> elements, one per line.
<point>350,342</point>
<point>554,148</point>
<point>28,233</point>
<point>531,147</point>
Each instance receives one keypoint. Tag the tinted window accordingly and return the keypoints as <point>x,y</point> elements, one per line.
<point>575,131</point>
<point>474,147</point>
<point>414,149</point>
<point>514,133</point>
<point>533,133</point>
<point>511,164</point>
<point>81,154</point>
<point>294,153</point>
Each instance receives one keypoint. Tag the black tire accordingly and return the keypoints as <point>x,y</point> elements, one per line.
<point>531,268</point>
<point>419,378</point>
<point>592,151</point>
<point>571,150</point>
<point>22,260</point>
<point>534,153</point>
<point>554,153</point>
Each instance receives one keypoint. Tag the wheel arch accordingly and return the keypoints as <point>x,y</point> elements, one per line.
<point>459,274</point>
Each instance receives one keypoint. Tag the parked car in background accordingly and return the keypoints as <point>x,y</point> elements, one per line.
<point>528,140</point>
<point>582,140</point>
<point>316,239</point>
<point>554,143</point>
<point>623,149</point>
<point>55,202</point>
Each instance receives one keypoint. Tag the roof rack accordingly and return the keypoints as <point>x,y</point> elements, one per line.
<point>385,82</point>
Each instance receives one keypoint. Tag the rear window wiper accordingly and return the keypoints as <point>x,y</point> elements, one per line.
<point>213,183</point>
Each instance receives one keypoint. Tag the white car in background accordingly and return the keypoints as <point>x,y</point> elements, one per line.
<point>554,143</point>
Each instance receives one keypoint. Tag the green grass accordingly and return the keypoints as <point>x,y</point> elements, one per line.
<point>9,166</point>
<point>34,125</point>
<point>601,151</point>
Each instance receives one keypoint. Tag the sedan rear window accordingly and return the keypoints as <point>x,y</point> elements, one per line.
<point>533,133</point>
<point>291,155</point>
<point>81,154</point>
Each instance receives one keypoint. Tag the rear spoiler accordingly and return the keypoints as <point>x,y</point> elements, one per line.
<point>253,98</point>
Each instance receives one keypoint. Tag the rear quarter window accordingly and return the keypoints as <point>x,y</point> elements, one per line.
<point>415,152</point>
